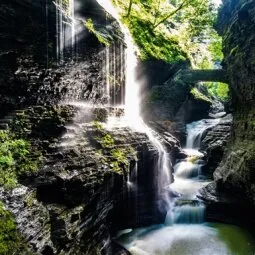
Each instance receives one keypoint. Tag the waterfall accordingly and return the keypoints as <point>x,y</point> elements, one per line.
<point>71,14</point>
<point>186,209</point>
<point>188,214</point>
<point>132,109</point>
<point>65,29</point>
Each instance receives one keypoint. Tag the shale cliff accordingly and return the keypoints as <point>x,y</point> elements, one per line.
<point>79,196</point>
<point>234,178</point>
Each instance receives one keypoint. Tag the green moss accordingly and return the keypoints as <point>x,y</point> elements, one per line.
<point>98,126</point>
<point>90,26</point>
<point>16,159</point>
<point>117,158</point>
<point>193,159</point>
<point>10,240</point>
<point>198,95</point>
<point>29,199</point>
<point>106,141</point>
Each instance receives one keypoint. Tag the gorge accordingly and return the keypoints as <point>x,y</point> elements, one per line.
<point>112,139</point>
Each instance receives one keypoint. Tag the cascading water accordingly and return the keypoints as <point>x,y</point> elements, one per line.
<point>185,231</point>
<point>185,234</point>
<point>132,116</point>
<point>195,131</point>
<point>188,177</point>
<point>65,29</point>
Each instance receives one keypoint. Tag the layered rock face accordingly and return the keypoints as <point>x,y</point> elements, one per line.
<point>73,203</point>
<point>235,175</point>
<point>30,66</point>
<point>82,194</point>
<point>214,142</point>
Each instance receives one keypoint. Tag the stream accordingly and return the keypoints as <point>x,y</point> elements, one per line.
<point>185,232</point>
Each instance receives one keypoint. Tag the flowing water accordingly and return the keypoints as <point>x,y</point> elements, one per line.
<point>65,29</point>
<point>132,116</point>
<point>193,239</point>
<point>184,231</point>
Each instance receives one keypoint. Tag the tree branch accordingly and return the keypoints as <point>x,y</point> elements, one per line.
<point>181,6</point>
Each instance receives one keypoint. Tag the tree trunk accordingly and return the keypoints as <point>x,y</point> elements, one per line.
<point>129,7</point>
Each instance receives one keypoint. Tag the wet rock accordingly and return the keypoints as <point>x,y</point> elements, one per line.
<point>226,205</point>
<point>214,143</point>
<point>77,192</point>
<point>235,174</point>
<point>29,63</point>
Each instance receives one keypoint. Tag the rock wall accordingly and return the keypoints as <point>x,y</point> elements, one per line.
<point>214,143</point>
<point>30,69</point>
<point>235,175</point>
<point>77,200</point>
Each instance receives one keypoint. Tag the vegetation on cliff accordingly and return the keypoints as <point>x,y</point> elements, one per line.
<point>10,240</point>
<point>16,159</point>
<point>91,27</point>
<point>117,158</point>
<point>168,30</point>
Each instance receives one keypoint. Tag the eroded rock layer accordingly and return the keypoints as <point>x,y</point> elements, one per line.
<point>235,175</point>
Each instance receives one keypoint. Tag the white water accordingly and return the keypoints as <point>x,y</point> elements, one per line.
<point>196,130</point>
<point>132,116</point>
<point>184,231</point>
<point>65,29</point>
<point>189,178</point>
<point>180,239</point>
<point>189,214</point>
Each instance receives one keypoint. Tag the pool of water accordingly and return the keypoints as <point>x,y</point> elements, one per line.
<point>188,239</point>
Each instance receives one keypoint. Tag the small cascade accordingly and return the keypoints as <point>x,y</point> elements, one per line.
<point>187,169</point>
<point>188,214</point>
<point>186,209</point>
<point>65,30</point>
<point>196,130</point>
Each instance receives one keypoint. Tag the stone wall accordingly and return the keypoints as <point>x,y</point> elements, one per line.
<point>237,168</point>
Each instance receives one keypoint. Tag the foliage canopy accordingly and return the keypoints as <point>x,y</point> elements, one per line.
<point>168,30</point>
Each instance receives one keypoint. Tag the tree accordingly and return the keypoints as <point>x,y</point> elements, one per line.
<point>184,4</point>
<point>169,30</point>
<point>129,7</point>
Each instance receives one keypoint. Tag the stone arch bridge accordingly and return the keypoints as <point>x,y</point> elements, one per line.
<point>206,75</point>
